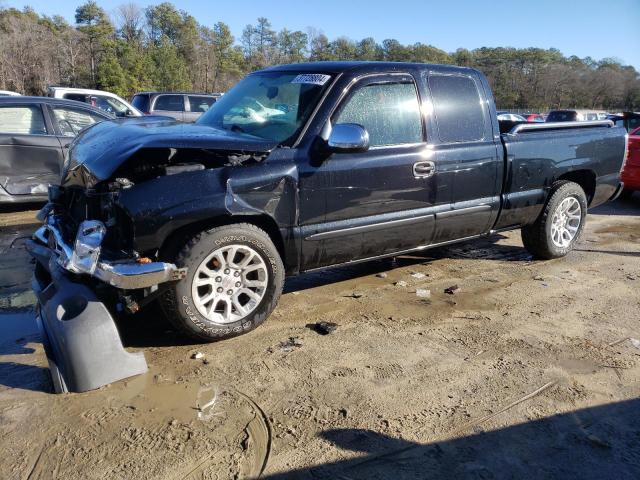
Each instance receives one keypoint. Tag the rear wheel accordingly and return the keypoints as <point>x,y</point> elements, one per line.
<point>626,194</point>
<point>560,224</point>
<point>234,280</point>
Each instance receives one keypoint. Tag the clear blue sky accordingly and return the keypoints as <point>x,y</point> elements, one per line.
<point>596,28</point>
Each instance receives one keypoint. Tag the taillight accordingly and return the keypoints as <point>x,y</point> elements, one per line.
<point>626,151</point>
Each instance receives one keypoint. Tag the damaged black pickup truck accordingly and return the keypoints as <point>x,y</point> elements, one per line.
<point>298,167</point>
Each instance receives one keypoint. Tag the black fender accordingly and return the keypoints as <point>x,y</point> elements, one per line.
<point>267,190</point>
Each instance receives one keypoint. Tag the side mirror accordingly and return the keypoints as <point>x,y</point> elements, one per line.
<point>348,137</point>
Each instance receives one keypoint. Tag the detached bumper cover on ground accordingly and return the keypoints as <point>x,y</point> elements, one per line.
<point>81,340</point>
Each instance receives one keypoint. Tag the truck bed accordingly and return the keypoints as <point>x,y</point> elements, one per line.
<point>537,155</point>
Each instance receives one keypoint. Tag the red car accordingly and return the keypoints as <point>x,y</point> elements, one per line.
<point>533,117</point>
<point>631,169</point>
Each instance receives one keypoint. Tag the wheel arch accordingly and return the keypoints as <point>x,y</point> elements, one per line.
<point>178,237</point>
<point>585,178</point>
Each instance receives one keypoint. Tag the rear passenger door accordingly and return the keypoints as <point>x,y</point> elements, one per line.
<point>197,105</point>
<point>467,150</point>
<point>171,105</point>
<point>30,153</point>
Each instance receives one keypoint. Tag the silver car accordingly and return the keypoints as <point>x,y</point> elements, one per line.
<point>185,107</point>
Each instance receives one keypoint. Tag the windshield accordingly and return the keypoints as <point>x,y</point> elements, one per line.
<point>270,105</point>
<point>111,105</point>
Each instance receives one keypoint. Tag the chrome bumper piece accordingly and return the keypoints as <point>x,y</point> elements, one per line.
<point>129,276</point>
<point>124,275</point>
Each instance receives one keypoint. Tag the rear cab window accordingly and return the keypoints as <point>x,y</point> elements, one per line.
<point>458,109</point>
<point>169,103</point>
<point>22,120</point>
<point>389,111</point>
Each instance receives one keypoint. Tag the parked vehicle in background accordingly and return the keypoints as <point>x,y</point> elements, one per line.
<point>510,117</point>
<point>631,169</point>
<point>107,101</point>
<point>533,117</point>
<point>629,120</point>
<point>576,115</point>
<point>185,107</point>
<point>9,93</point>
<point>34,134</point>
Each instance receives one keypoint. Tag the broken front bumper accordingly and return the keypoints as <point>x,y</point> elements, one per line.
<point>79,334</point>
<point>84,258</point>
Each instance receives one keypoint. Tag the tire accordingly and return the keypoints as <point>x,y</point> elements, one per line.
<point>541,238</point>
<point>626,194</point>
<point>233,310</point>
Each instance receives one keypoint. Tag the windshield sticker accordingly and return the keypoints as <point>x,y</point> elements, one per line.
<point>311,78</point>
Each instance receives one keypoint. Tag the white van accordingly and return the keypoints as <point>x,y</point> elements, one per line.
<point>107,101</point>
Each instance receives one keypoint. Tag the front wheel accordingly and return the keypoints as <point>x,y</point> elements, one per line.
<point>559,226</point>
<point>234,280</point>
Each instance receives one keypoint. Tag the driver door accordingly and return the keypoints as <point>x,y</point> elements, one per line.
<point>378,201</point>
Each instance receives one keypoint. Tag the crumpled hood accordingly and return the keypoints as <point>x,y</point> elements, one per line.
<point>99,150</point>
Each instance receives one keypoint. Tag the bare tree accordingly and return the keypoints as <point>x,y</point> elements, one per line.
<point>129,21</point>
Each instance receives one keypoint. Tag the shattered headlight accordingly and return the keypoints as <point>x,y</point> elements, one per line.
<point>86,250</point>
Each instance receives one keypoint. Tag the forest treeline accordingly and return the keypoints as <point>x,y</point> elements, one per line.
<point>163,48</point>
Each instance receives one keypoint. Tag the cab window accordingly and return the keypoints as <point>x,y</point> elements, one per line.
<point>457,108</point>
<point>390,112</point>
<point>200,104</point>
<point>170,103</point>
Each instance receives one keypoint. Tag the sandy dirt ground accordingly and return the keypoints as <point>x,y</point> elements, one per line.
<point>529,370</point>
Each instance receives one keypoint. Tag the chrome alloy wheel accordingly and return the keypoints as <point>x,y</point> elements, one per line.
<point>230,283</point>
<point>566,222</point>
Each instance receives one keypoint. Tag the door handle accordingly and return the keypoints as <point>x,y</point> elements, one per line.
<point>424,169</point>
